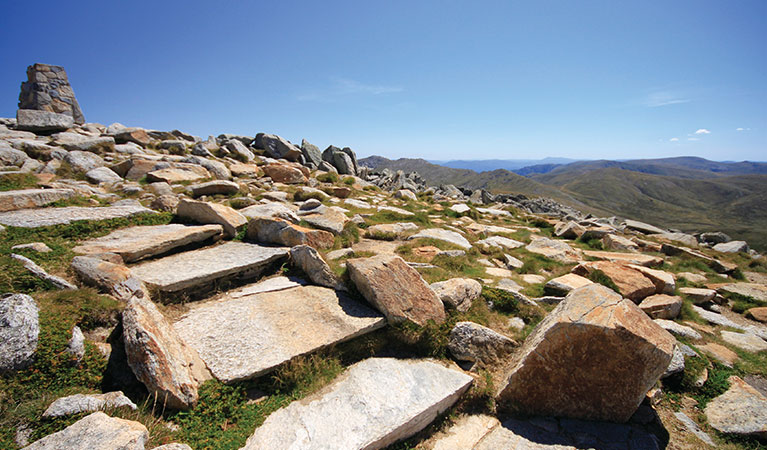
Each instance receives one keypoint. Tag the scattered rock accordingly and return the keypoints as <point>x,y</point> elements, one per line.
<point>277,147</point>
<point>742,410</point>
<point>245,337</point>
<point>569,230</point>
<point>282,173</point>
<point>746,341</point>
<point>328,219</point>
<point>678,329</point>
<point>84,162</point>
<point>643,227</point>
<point>616,242</point>
<point>465,433</point>
<point>217,187</point>
<point>698,295</point>
<point>499,242</point>
<point>732,247</point>
<point>721,353</point>
<point>759,314</point>
<point>96,431</point>
<point>597,351</point>
<point>272,210</point>
<point>556,250</point>
<point>662,306</point>
<point>440,234</point>
<point>37,271</point>
<point>309,260</point>
<point>19,329</point>
<point>159,358</point>
<point>469,341</point>
<point>664,282</point>
<point>753,290</point>
<point>278,231</point>
<point>390,231</point>
<point>366,407</point>
<point>693,428</point>
<point>626,258</point>
<point>174,175</point>
<point>458,293</point>
<point>212,213</point>
<point>566,283</point>
<point>42,121</point>
<point>631,283</point>
<point>102,175</point>
<point>112,278</point>
<point>80,403</point>
<point>395,289</point>
<point>76,344</point>
<point>38,247</point>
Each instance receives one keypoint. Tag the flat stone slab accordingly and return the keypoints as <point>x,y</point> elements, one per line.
<point>753,290</point>
<point>33,218</point>
<point>628,258</point>
<point>375,403</point>
<point>137,243</point>
<point>32,198</point>
<point>269,285</point>
<point>440,234</point>
<point>96,431</point>
<point>245,337</point>
<point>200,267</point>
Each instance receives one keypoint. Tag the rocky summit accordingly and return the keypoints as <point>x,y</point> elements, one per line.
<point>162,290</point>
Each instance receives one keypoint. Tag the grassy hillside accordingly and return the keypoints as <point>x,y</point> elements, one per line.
<point>736,205</point>
<point>499,181</point>
<point>684,167</point>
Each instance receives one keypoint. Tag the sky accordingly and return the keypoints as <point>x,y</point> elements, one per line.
<point>419,79</point>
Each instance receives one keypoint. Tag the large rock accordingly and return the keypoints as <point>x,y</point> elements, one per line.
<point>664,282</point>
<point>277,147</point>
<point>343,160</point>
<point>451,237</point>
<point>745,341</point>
<point>643,227</point>
<point>19,329</point>
<point>42,121</point>
<point>33,218</point>
<point>111,277</point>
<point>458,293</point>
<point>216,168</point>
<point>102,175</point>
<point>396,289</point>
<point>616,242</point>
<point>200,268</point>
<point>79,403</point>
<point>631,283</point>
<point>499,242</point>
<point>124,135</point>
<point>212,213</point>
<point>245,337</point>
<point>74,141</point>
<point>312,154</point>
<point>283,173</point>
<point>136,243</point>
<point>47,89</point>
<point>556,250</point>
<point>169,368</point>
<point>593,357</point>
<point>32,198</point>
<point>282,232</point>
<point>375,403</point>
<point>472,342</point>
<point>742,410</point>
<point>311,263</point>
<point>240,150</point>
<point>753,290</point>
<point>569,230</point>
<point>97,431</point>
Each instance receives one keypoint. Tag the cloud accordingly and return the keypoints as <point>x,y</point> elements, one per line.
<point>742,129</point>
<point>702,131</point>
<point>663,98</point>
<point>674,139</point>
<point>693,139</point>
<point>344,87</point>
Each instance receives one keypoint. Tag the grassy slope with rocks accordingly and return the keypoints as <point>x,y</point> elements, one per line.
<point>228,414</point>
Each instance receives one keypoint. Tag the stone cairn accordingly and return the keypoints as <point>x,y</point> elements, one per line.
<point>47,89</point>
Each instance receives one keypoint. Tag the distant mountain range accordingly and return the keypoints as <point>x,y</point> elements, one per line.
<point>688,193</point>
<point>484,165</point>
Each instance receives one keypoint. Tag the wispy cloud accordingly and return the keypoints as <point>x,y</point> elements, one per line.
<point>344,87</point>
<point>742,129</point>
<point>702,131</point>
<point>664,98</point>
<point>674,139</point>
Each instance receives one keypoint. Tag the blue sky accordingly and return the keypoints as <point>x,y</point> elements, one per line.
<point>432,79</point>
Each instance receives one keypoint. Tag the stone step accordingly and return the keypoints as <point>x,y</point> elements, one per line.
<point>244,336</point>
<point>32,198</point>
<point>375,403</point>
<point>33,218</point>
<point>200,268</point>
<point>137,243</point>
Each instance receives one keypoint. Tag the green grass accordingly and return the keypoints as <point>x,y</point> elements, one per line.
<point>348,181</point>
<point>505,302</point>
<point>329,177</point>
<point>15,181</point>
<point>302,196</point>
<point>349,235</point>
